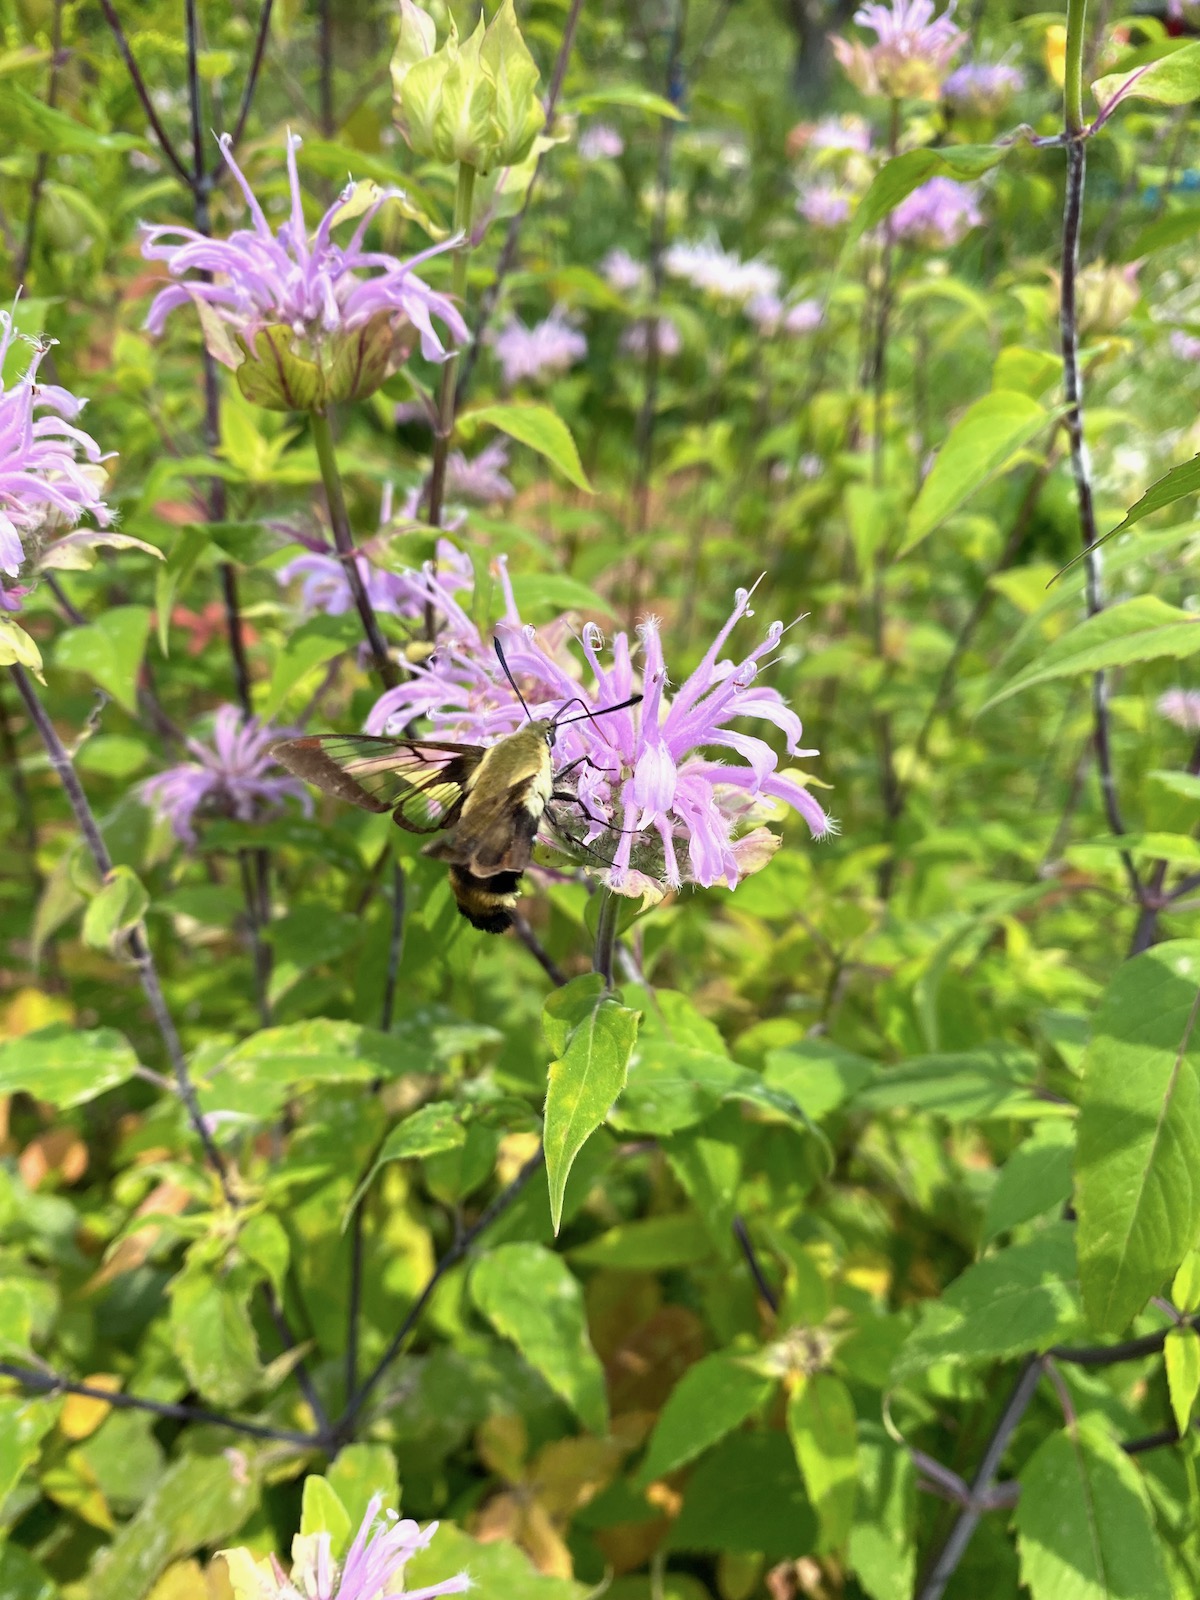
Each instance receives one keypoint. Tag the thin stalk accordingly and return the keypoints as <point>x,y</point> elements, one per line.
<point>325,59</point>
<point>256,61</point>
<point>1073,419</point>
<point>508,251</point>
<point>43,161</point>
<point>395,949</point>
<point>143,94</point>
<point>444,431</point>
<point>343,538</point>
<point>261,955</point>
<point>1154,900</point>
<point>742,1234</point>
<point>968,1519</point>
<point>45,1382</point>
<point>606,935</point>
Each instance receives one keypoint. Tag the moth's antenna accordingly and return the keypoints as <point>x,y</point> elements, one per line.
<point>590,716</point>
<point>511,679</point>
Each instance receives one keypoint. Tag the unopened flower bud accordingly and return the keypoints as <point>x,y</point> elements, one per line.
<point>471,102</point>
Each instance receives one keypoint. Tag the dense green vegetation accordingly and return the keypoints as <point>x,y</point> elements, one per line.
<point>798,1197</point>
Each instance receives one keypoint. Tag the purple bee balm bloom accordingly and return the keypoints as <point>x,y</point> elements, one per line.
<point>600,143</point>
<point>635,341</point>
<point>804,317</point>
<point>50,471</point>
<point>1184,345</point>
<point>824,205</point>
<point>840,133</point>
<point>721,272</point>
<point>1182,707</point>
<point>324,588</point>
<point>482,477</point>
<point>373,1568</point>
<point>317,290</point>
<point>547,349</point>
<point>646,771</point>
<point>232,777</point>
<point>912,52</point>
<point>937,215</point>
<point>625,274</point>
<point>982,88</point>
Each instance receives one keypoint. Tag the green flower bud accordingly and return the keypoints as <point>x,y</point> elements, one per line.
<point>282,373</point>
<point>473,102</point>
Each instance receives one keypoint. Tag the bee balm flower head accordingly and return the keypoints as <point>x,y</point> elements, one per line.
<point>912,53</point>
<point>302,320</point>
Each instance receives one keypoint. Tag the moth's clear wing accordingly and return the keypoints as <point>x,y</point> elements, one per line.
<point>420,781</point>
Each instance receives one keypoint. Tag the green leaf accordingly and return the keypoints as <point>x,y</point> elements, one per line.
<point>897,179</point>
<point>1084,1525</point>
<point>1021,1299</point>
<point>539,428</point>
<point>1174,485</point>
<point>824,1433</point>
<point>17,648</point>
<point>977,449</point>
<point>818,1075</point>
<point>1173,80</point>
<point>66,1066</point>
<point>361,1471</point>
<point>311,645</point>
<point>712,1398</point>
<point>213,1336</point>
<point>199,1503</point>
<point>679,1072</point>
<point>37,127</point>
<point>1185,1289</point>
<point>1035,1179</point>
<point>556,590</point>
<point>258,1075</point>
<point>649,1244</point>
<point>530,1297</point>
<point>174,575</point>
<point>115,911</point>
<point>322,1511</point>
<point>747,1496</point>
<point>591,1035</point>
<point>1142,629</point>
<point>109,651</point>
<point>883,1555</point>
<point>631,95</point>
<point>24,1422</point>
<point>499,1570</point>
<point>431,1131</point>
<point>1182,1355</point>
<point>958,1085</point>
<point>264,1241</point>
<point>1139,1131</point>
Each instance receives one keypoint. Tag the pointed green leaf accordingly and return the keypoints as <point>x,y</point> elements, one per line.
<point>897,179</point>
<point>979,446</point>
<point>1084,1525</point>
<point>65,1066</point>
<point>213,1335</point>
<point>824,1433</point>
<point>1034,1180</point>
<point>1136,1188</point>
<point>1173,80</point>
<point>119,907</point>
<point>529,1296</point>
<point>1182,1355</point>
<point>539,428</point>
<point>1142,629</point>
<point>712,1398</point>
<point>109,651</point>
<point>591,1034</point>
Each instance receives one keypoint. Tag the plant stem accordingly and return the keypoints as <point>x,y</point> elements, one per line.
<point>143,94</point>
<point>1073,419</point>
<point>43,160</point>
<point>1153,898</point>
<point>444,431</point>
<point>256,61</point>
<point>968,1519</point>
<point>325,59</point>
<point>606,935</point>
<point>339,519</point>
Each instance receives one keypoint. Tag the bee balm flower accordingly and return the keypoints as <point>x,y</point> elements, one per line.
<point>303,321</point>
<point>912,52</point>
<point>50,471</point>
<point>373,1568</point>
<point>232,777</point>
<point>936,215</point>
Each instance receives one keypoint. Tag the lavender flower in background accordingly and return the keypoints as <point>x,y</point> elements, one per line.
<point>646,770</point>
<point>599,142</point>
<point>480,478</point>
<point>771,316</point>
<point>721,272</point>
<point>1182,707</point>
<point>937,215</point>
<point>848,133</point>
<point>824,205</point>
<point>318,292</point>
<point>635,341</point>
<point>1184,345</point>
<point>50,471</point>
<point>232,777</point>
<point>806,316</point>
<point>372,1570</point>
<point>548,349</point>
<point>622,273</point>
<point>912,53</point>
<point>982,88</point>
